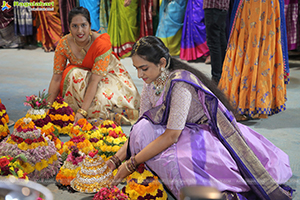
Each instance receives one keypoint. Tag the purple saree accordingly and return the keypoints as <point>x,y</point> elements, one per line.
<point>215,151</point>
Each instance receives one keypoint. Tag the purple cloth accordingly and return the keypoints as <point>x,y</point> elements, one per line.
<point>199,157</point>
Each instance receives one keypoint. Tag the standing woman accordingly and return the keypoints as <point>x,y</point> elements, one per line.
<point>171,17</point>
<point>95,83</point>
<point>193,40</point>
<point>187,135</point>
<point>255,69</point>
<point>122,26</point>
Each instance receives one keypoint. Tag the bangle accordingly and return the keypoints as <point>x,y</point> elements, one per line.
<point>49,104</point>
<point>82,112</point>
<point>116,161</point>
<point>129,167</point>
<point>113,163</point>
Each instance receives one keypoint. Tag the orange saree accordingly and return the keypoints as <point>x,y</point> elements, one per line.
<point>116,97</point>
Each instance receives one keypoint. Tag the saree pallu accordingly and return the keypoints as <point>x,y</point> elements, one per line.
<point>169,30</point>
<point>65,6</point>
<point>93,7</point>
<point>292,23</point>
<point>146,23</point>
<point>122,26</point>
<point>193,40</point>
<point>116,98</point>
<point>104,15</point>
<point>48,27</point>
<point>23,19</point>
<point>253,74</point>
<point>216,152</point>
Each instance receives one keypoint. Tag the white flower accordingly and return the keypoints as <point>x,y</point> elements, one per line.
<point>27,120</point>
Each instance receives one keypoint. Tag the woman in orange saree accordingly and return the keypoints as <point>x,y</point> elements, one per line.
<point>255,65</point>
<point>95,83</point>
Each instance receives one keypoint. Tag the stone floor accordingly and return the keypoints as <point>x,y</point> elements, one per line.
<point>25,72</point>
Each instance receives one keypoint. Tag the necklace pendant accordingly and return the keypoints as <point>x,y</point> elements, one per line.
<point>83,51</point>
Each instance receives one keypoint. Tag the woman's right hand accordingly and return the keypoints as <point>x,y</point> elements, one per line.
<point>78,116</point>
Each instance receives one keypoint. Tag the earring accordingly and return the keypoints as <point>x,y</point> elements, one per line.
<point>91,33</point>
<point>159,83</point>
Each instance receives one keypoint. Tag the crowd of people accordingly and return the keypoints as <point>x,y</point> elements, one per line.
<point>185,125</point>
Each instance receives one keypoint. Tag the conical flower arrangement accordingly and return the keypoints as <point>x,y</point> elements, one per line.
<point>93,175</point>
<point>70,168</point>
<point>38,110</point>
<point>112,139</point>
<point>61,115</point>
<point>52,133</point>
<point>4,119</point>
<point>43,161</point>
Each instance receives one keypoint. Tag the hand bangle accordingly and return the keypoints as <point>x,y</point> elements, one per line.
<point>82,112</point>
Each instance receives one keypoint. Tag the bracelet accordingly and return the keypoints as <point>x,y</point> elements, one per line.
<point>49,104</point>
<point>113,163</point>
<point>129,167</point>
<point>82,112</point>
<point>117,162</point>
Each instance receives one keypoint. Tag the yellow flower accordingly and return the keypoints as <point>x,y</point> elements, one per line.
<point>115,148</point>
<point>20,173</point>
<point>103,147</point>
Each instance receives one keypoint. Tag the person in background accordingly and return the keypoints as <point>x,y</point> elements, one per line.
<point>256,69</point>
<point>95,83</point>
<point>215,13</point>
<point>187,135</point>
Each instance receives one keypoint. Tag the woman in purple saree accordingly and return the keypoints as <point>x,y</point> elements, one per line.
<point>187,134</point>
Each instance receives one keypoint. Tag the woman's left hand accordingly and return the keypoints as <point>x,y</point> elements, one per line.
<point>127,3</point>
<point>78,116</point>
<point>121,174</point>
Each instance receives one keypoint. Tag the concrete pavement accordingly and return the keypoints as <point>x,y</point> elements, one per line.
<point>25,72</point>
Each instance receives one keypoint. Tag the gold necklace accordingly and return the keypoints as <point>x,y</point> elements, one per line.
<point>83,51</point>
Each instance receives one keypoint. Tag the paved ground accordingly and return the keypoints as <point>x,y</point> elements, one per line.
<point>25,72</point>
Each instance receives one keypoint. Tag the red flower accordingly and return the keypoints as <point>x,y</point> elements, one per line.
<point>34,140</point>
<point>40,139</point>
<point>4,162</point>
<point>20,140</point>
<point>28,141</point>
<point>141,168</point>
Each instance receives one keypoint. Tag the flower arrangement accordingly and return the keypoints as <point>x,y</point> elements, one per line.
<point>10,166</point>
<point>83,144</point>
<point>4,119</point>
<point>52,133</point>
<point>37,102</point>
<point>142,184</point>
<point>43,161</point>
<point>93,175</point>
<point>112,139</point>
<point>84,128</point>
<point>61,115</point>
<point>38,110</point>
<point>112,193</point>
<point>69,169</point>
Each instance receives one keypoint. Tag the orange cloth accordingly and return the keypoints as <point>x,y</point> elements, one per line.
<point>253,69</point>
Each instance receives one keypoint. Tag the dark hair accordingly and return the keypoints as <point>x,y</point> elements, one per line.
<point>79,10</point>
<point>153,49</point>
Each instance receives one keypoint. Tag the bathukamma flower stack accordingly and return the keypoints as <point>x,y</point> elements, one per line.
<point>4,119</point>
<point>61,115</point>
<point>69,169</point>
<point>93,175</point>
<point>142,184</point>
<point>38,110</point>
<point>43,161</point>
